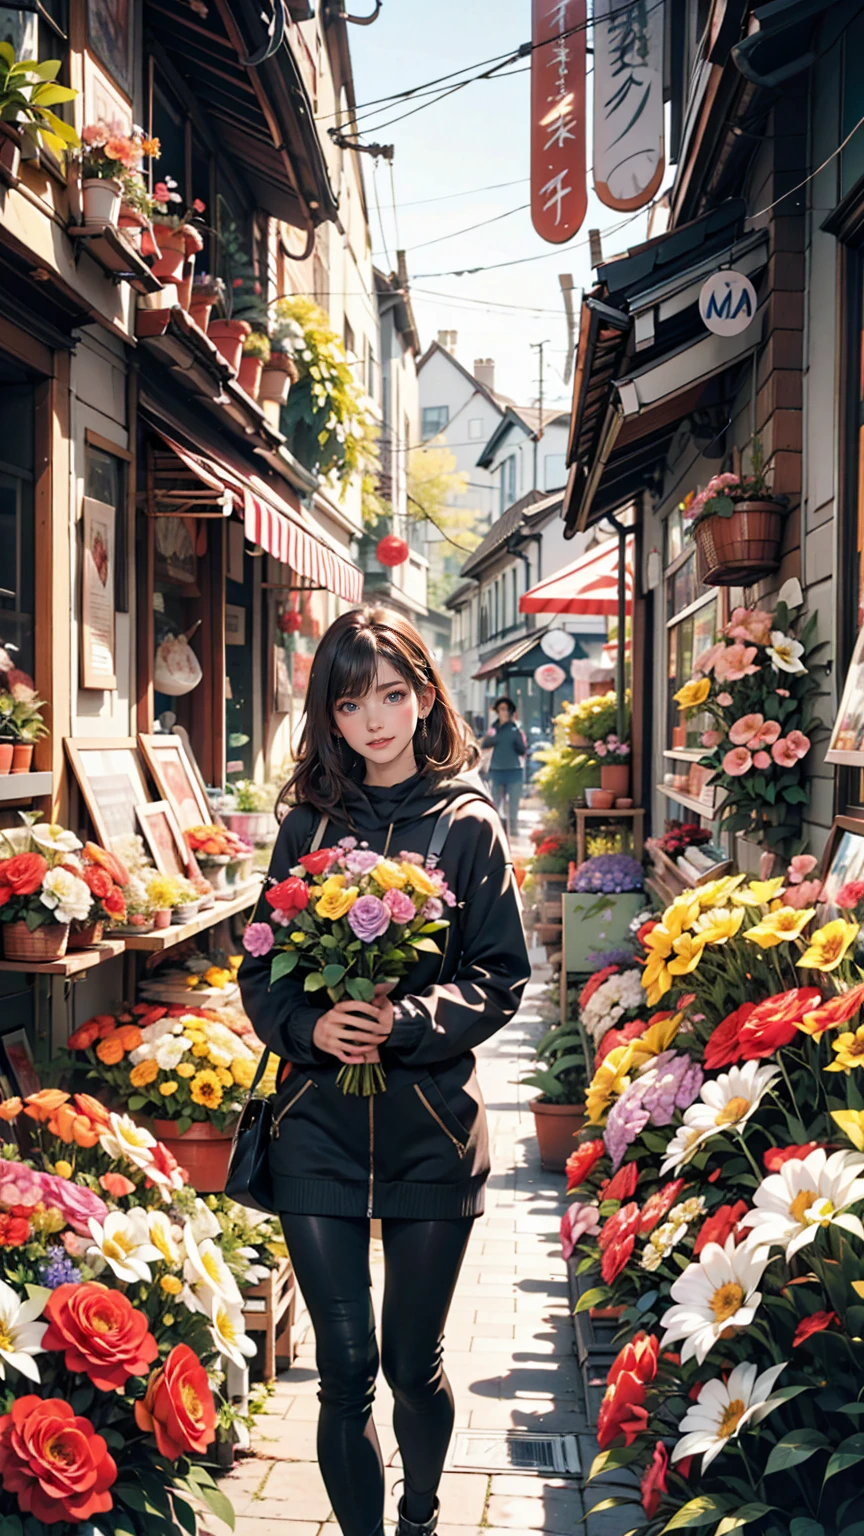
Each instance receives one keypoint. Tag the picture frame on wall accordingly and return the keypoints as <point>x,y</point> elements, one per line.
<point>847,736</point>
<point>175,779</point>
<point>17,1067</point>
<point>163,837</point>
<point>110,37</point>
<point>98,577</point>
<point>843,863</point>
<point>112,783</point>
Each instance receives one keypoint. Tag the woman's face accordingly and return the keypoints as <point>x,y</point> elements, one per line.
<point>381,725</point>
<point>503,713</point>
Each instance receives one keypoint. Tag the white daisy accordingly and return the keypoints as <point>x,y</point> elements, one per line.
<point>229,1331</point>
<point>722,1410</point>
<point>805,1194</point>
<point>205,1269</point>
<point>716,1293</point>
<point>20,1334</point>
<point>727,1102</point>
<point>127,1140</point>
<point>124,1243</point>
<point>684,1145</point>
<point>162,1234</point>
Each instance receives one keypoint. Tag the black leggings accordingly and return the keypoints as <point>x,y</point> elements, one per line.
<point>422,1260</point>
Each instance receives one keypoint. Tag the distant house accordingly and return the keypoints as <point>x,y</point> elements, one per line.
<point>461,411</point>
<point>521,458</point>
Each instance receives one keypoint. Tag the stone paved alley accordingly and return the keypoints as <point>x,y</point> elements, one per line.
<point>508,1351</point>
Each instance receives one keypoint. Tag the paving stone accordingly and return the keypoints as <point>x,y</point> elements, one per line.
<point>558,1510</point>
<point>256,1525</point>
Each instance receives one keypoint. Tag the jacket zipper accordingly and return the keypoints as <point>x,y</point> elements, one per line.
<point>425,1102</point>
<point>371,1191</point>
<point>291,1102</point>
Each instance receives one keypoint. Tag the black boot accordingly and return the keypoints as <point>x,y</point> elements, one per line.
<point>407,1527</point>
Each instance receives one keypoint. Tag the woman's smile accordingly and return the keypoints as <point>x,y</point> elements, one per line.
<point>380,741</point>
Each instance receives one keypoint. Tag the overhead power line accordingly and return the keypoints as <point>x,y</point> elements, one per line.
<point>519,261</point>
<point>447,197</point>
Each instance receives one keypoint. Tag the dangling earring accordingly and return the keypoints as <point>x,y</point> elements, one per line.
<point>423,731</point>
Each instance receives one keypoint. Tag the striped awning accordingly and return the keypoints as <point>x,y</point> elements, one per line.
<point>588,586</point>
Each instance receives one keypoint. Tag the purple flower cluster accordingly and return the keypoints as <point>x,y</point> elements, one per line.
<point>600,958</point>
<point>58,1269</point>
<point>608,874</point>
<point>627,1118</point>
<point>671,1082</point>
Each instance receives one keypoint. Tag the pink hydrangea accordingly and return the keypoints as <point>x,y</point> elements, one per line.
<point>737,762</point>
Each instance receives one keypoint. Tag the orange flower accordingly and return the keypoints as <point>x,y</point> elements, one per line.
<point>10,1109</point>
<point>145,1072</point>
<point>83,1038</point>
<point>129,1036</point>
<point>110,1050</point>
<point>117,1184</point>
<point>71,1126</point>
<point>91,1107</point>
<point>106,860</point>
<point>42,1105</point>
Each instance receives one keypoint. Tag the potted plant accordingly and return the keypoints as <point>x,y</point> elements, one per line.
<point>164,893</point>
<point>326,418</point>
<point>207,291</point>
<point>256,352</point>
<point>28,91</point>
<point>175,233</point>
<point>737,523</point>
<point>249,813</point>
<point>39,897</point>
<point>7,741</point>
<point>187,907</point>
<point>280,371</point>
<point>614,758</point>
<point>106,879</point>
<point>21,718</point>
<point>136,212</point>
<point>109,160</point>
<point>244,305</point>
<point>214,848</point>
<point>559,1109</point>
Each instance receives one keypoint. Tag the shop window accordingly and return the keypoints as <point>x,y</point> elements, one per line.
<point>105,481</point>
<point>693,621</point>
<point>41,32</point>
<point>17,555</point>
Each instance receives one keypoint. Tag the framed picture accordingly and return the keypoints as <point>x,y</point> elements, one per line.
<point>111,782</point>
<point>844,862</point>
<point>163,837</point>
<point>16,1062</point>
<point>97,595</point>
<point>176,779</point>
<point>109,34</point>
<point>847,737</point>
<point>235,624</point>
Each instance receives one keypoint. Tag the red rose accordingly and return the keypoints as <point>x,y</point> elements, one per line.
<point>114,902</point>
<point>596,981</point>
<point>774,1022</point>
<point>291,895</point>
<point>719,1225</point>
<point>624,1223</point>
<point>178,1407</point>
<point>53,1462</point>
<point>101,1332</point>
<point>850,895</point>
<point>654,1480</point>
<point>615,1258</point>
<point>623,1185</point>
<point>775,1157</point>
<point>657,1205</point>
<point>817,1323</point>
<point>724,1045</point>
<point>316,863</point>
<point>23,875</point>
<point>579,1163</point>
<point>623,1411</point>
<point>97,880</point>
<point>835,1010</point>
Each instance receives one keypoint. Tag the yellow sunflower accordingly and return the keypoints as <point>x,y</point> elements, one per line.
<point>206,1089</point>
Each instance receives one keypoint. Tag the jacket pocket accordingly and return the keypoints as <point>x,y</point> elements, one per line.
<point>438,1109</point>
<point>289,1097</point>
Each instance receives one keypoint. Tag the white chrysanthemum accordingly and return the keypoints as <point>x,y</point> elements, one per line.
<point>20,1333</point>
<point>717,1292</point>
<point>52,838</point>
<point>722,1410</point>
<point>124,1243</point>
<point>66,896</point>
<point>805,1194</point>
<point>168,1052</point>
<point>622,993</point>
<point>727,1102</point>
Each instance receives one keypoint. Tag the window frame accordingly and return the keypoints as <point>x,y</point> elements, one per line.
<point>427,411</point>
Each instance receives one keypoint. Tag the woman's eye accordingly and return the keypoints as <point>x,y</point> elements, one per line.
<point>395,696</point>
<point>346,707</point>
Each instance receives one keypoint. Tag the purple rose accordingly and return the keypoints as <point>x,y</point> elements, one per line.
<point>432,910</point>
<point>369,918</point>
<point>400,906</point>
<point>362,862</point>
<point>258,939</point>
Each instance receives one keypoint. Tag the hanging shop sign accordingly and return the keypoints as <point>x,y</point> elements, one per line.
<point>559,192</point>
<point>550,676</point>
<point>557,644</point>
<point>727,303</point>
<point>97,596</point>
<point>628,102</point>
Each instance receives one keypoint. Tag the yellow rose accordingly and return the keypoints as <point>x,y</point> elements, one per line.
<point>419,880</point>
<point>332,884</point>
<point>337,903</point>
<point>63,1169</point>
<point>166,1089</point>
<point>185,1069</point>
<point>693,693</point>
<point>389,875</point>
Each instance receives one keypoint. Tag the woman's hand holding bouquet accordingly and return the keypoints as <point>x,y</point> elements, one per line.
<point>354,921</point>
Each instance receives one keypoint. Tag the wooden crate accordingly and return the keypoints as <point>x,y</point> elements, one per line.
<point>269,1308</point>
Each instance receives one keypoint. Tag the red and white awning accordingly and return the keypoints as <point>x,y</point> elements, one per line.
<point>588,586</point>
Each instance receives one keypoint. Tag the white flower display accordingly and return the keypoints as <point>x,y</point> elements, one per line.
<point>66,896</point>
<point>722,1410</point>
<point>124,1243</point>
<point>162,1236</point>
<point>206,1274</point>
<point>20,1333</point>
<point>727,1102</point>
<point>785,653</point>
<point>52,838</point>
<point>229,1331</point>
<point>168,1052</point>
<point>717,1292</point>
<point>204,1223</point>
<point>806,1194</point>
<point>621,994</point>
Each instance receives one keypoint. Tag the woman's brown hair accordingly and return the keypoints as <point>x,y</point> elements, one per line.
<point>345,666</point>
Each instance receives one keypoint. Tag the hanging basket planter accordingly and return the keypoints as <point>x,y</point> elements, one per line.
<point>739,550</point>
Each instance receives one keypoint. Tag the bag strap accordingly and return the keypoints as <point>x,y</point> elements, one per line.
<point>259,1073</point>
<point>319,834</point>
<point>443,825</point>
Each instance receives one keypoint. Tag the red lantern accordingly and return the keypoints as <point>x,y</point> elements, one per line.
<point>290,621</point>
<point>391,550</point>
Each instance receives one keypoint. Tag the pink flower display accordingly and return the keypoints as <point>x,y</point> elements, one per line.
<point>737,762</point>
<point>735,663</point>
<point>400,906</point>
<point>750,624</point>
<point>761,761</point>
<point>807,894</point>
<point>578,1221</point>
<point>711,739</point>
<point>798,743</point>
<point>784,753</point>
<point>745,729</point>
<point>708,659</point>
<point>766,735</point>
<point>802,865</point>
<point>258,939</point>
<point>724,700</point>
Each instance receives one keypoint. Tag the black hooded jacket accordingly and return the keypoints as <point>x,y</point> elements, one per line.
<point>420,1149</point>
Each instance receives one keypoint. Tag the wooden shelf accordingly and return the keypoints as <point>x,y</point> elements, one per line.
<point>166,938</point>
<point>25,786</point>
<point>685,754</point>
<point>116,256</point>
<point>594,810</point>
<point>690,803</point>
<point>73,964</point>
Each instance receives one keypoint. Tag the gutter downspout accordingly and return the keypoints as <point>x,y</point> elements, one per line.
<point>620,659</point>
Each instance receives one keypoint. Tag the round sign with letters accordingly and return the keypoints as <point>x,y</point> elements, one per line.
<point>557,644</point>
<point>550,676</point>
<point>727,303</point>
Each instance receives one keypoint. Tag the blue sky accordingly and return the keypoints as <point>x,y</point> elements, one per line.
<point>473,139</point>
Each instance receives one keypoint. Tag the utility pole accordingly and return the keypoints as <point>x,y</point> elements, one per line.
<point>537,346</point>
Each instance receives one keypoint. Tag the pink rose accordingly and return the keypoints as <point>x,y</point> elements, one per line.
<point>600,748</point>
<point>783,753</point>
<point>724,700</point>
<point>803,864</point>
<point>578,1221</point>
<point>737,761</point>
<point>766,735</point>
<point>711,739</point>
<point>762,761</point>
<point>798,743</point>
<point>77,1204</point>
<point>745,728</point>
<point>258,939</point>
<point>400,906</point>
<point>752,624</point>
<point>807,894</point>
<point>735,663</point>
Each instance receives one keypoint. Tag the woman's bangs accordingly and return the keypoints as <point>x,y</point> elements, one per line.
<point>356,663</point>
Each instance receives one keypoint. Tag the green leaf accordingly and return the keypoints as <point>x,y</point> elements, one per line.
<point>185,1516</point>
<point>722,506</point>
<point>283,964</point>
<point>795,1448</point>
<point>845,1456</point>
<point>593,1298</point>
<point>425,945</point>
<point>360,988</point>
<point>51,95</point>
<point>333,974</point>
<point>609,1461</point>
<point>137,1101</point>
<point>741,1517</point>
<point>219,1505</point>
<point>314,982</point>
<point>614,1502</point>
<point>806,1527</point>
<point>434,927</point>
<point>184,1124</point>
<point>327,941</point>
<point>701,1511</point>
<point>49,69</point>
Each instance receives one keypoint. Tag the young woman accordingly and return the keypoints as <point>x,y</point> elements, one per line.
<point>506,770</point>
<point>380,758</point>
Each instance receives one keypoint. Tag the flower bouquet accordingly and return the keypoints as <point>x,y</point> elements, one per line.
<point>41,892</point>
<point>350,919</point>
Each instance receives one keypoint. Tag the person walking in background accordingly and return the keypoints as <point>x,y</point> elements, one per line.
<point>506,768</point>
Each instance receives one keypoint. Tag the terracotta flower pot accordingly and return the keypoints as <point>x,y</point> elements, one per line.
<point>228,337</point>
<point>555,1126</point>
<point>199,311</point>
<point>133,224</point>
<point>22,757</point>
<point>101,196</point>
<point>275,384</point>
<point>202,1150</point>
<point>249,374</point>
<point>184,287</point>
<point>6,750</point>
<point>194,241</point>
<point>738,550</point>
<point>46,943</point>
<point>172,252</point>
<point>10,154</point>
<point>86,937</point>
<point>615,776</point>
